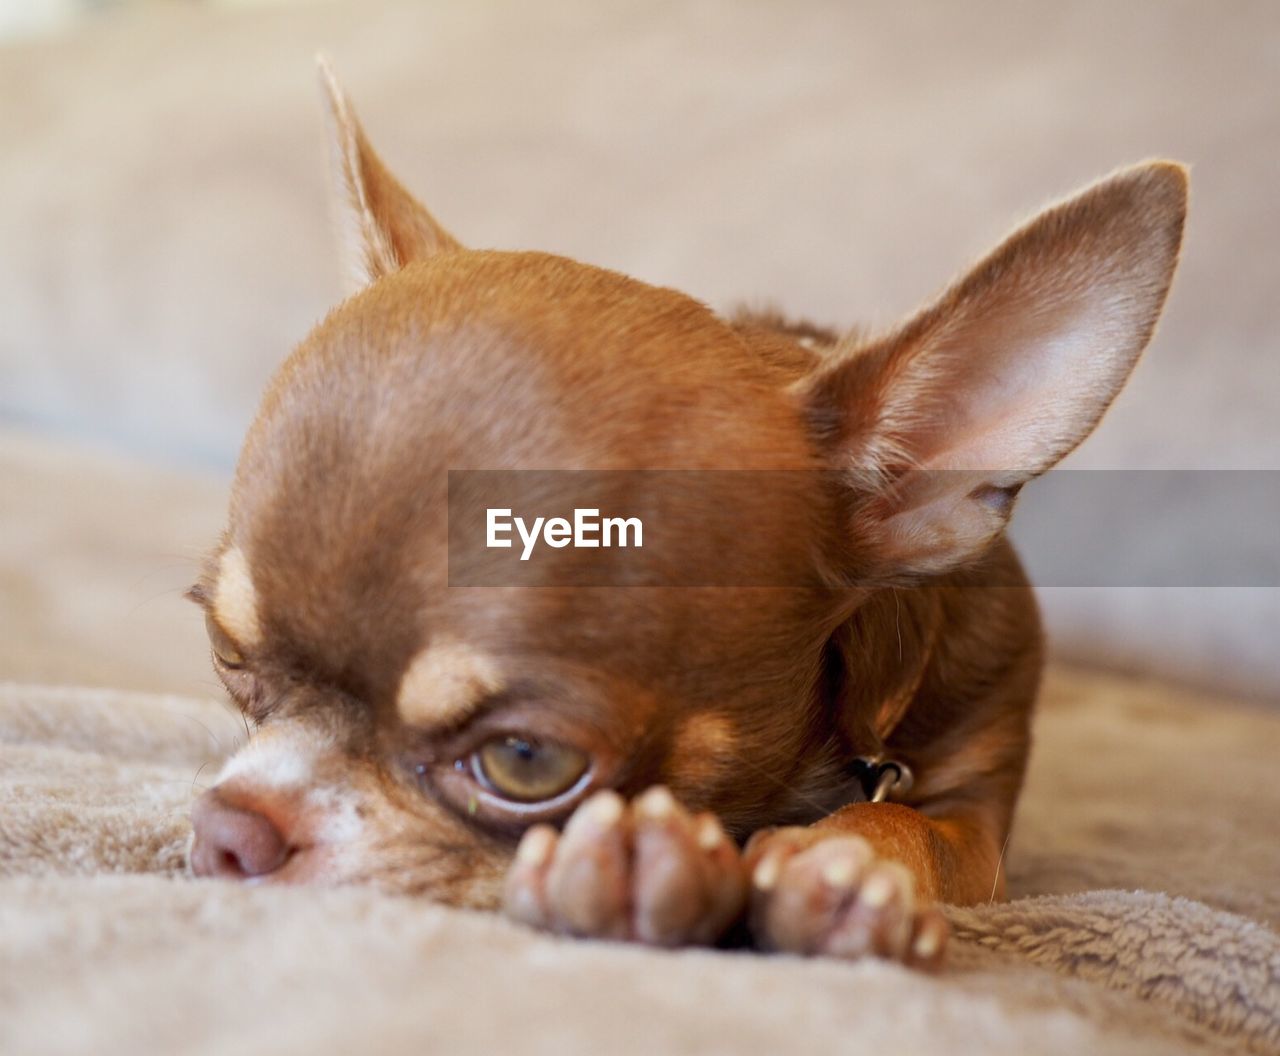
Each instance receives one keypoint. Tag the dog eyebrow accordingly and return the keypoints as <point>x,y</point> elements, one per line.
<point>446,683</point>
<point>234,600</point>
<point>198,593</point>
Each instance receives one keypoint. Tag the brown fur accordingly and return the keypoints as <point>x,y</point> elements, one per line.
<point>747,702</point>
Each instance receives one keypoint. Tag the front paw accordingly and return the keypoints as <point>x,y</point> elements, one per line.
<point>647,871</point>
<point>831,895</point>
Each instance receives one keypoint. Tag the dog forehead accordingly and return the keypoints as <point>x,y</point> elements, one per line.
<point>487,360</point>
<point>473,361</point>
<point>536,336</point>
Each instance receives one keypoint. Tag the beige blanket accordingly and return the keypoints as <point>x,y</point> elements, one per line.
<point>1143,872</point>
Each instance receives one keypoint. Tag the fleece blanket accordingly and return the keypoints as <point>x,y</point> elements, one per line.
<point>1142,916</point>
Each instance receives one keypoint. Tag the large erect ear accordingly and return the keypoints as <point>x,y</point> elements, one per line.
<point>384,226</point>
<point>937,425</point>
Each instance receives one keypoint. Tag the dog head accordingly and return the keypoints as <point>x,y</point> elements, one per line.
<point>414,711</point>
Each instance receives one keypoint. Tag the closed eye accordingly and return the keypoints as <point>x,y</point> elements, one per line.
<point>225,650</point>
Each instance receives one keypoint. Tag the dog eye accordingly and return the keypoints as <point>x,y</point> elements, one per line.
<point>526,770</point>
<point>224,649</point>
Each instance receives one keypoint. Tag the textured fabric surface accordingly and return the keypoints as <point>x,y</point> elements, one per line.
<point>94,786</point>
<point>165,238</point>
<point>95,553</point>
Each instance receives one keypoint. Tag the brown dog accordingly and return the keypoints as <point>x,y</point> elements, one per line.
<point>593,755</point>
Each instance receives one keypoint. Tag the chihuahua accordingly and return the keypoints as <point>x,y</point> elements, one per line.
<point>656,758</point>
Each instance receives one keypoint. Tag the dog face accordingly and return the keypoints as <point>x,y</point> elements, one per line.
<point>389,699</point>
<point>408,728</point>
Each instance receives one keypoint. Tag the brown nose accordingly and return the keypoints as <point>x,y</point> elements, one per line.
<point>233,842</point>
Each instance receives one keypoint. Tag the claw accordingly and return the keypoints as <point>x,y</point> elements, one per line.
<point>832,896</point>
<point>647,871</point>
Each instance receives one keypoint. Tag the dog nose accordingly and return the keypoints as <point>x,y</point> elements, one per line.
<point>234,842</point>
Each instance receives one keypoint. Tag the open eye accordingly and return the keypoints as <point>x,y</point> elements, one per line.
<point>224,649</point>
<point>527,771</point>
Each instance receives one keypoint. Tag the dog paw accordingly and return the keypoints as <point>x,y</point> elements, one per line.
<point>647,871</point>
<point>832,896</point>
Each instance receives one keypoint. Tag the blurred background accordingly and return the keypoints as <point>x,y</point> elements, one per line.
<point>165,239</point>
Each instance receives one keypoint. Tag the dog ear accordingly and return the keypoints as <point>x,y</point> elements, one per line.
<point>936,426</point>
<point>384,226</point>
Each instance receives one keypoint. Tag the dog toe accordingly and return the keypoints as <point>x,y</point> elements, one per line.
<point>648,871</point>
<point>831,896</point>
